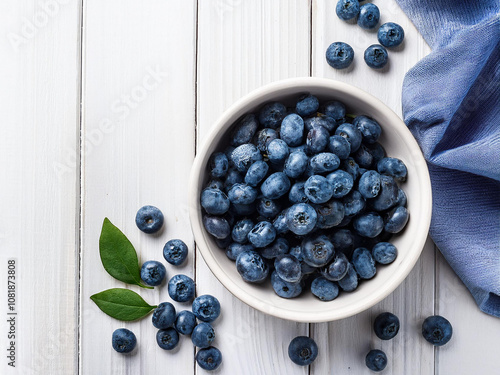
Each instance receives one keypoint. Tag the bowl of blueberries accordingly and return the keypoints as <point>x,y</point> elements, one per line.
<point>310,200</point>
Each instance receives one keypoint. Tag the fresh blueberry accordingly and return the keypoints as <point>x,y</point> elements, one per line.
<point>278,247</point>
<point>234,249</point>
<point>185,322</point>
<point>376,56</point>
<point>363,263</point>
<point>277,152</point>
<point>369,15</point>
<point>245,130</point>
<point>206,308</point>
<point>167,339</point>
<point>396,219</point>
<point>217,226</point>
<point>338,267</point>
<point>347,9</point>
<point>175,252</point>
<point>264,137</point>
<point>123,340</point>
<point>392,167</point>
<point>271,114</point>
<point>181,288</point>
<point>203,335</point>
<point>318,189</point>
<point>324,162</point>
<point>401,198</point>
<point>324,289</point>
<point>341,182</point>
<point>242,194</point>
<point>388,195</point>
<point>292,129</point>
<point>297,194</point>
<point>275,186</point>
<point>288,268</point>
<point>369,128</point>
<point>317,139</point>
<point>369,184</point>
<point>279,223</point>
<point>153,272</point>
<point>296,164</point>
<point>283,288</point>
<point>330,214</point>
<point>307,105</point>
<point>317,250</point>
<point>384,252</point>
<point>256,173</point>
<point>214,201</point>
<point>335,110</point>
<point>301,218</point>
<point>209,358</point>
<point>390,34</point>
<point>241,229</point>
<point>377,151</point>
<point>350,166</point>
<point>302,350</point>
<point>244,156</point>
<point>339,146</point>
<point>363,158</point>
<point>354,203</point>
<point>268,208</point>
<point>437,330</point>
<point>262,234</point>
<point>320,120</point>
<point>369,224</point>
<point>149,219</point>
<point>350,281</point>
<point>252,267</point>
<point>343,241</point>
<point>218,165</point>
<point>352,134</point>
<point>386,326</point>
<point>376,360</point>
<point>233,177</point>
<point>339,55</point>
<point>164,315</point>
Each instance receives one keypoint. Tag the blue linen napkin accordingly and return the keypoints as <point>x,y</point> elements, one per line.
<point>451,104</point>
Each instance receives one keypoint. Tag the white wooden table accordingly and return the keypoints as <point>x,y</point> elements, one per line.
<point>104,104</point>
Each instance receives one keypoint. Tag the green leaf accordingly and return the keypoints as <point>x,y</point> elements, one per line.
<point>122,304</point>
<point>118,255</point>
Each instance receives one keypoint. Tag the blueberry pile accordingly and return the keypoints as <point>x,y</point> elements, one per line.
<point>340,55</point>
<point>305,196</point>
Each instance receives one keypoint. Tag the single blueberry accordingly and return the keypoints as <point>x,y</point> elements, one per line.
<point>279,223</point>
<point>217,226</point>
<point>369,128</point>
<point>352,134</point>
<point>320,120</point>
<point>376,360</point>
<point>241,229</point>
<point>268,208</point>
<point>256,173</point>
<point>338,267</point>
<point>369,15</point>
<point>297,194</point>
<point>386,326</point>
<point>388,195</point>
<point>307,105</point>
<point>376,56</point>
<point>283,288</point>
<point>244,130</point>
<point>149,219</point>
<point>377,151</point>
<point>271,114</point>
<point>301,218</point>
<point>264,137</point>
<point>234,249</point>
<point>363,263</point>
<point>350,166</point>
<point>369,224</point>
<point>218,165</point>
<point>277,152</point>
<point>153,272</point>
<point>396,219</point>
<point>206,308</point>
<point>384,252</point>
<point>244,156</point>
<point>393,167</point>
<point>339,55</point>
<point>209,358</point>
<point>233,177</point>
<point>330,214</point>
<point>317,139</point>
<point>203,335</point>
<point>175,252</point>
<point>275,186</point>
<point>318,189</point>
<point>339,146</point>
<point>262,234</point>
<point>369,184</point>
<point>242,194</point>
<point>317,250</point>
<point>167,339</point>
<point>363,157</point>
<point>296,164</point>
<point>181,288</point>
<point>164,315</point>
<point>123,340</point>
<point>354,203</point>
<point>350,281</point>
<point>390,34</point>
<point>278,247</point>
<point>401,198</point>
<point>324,162</point>
<point>292,129</point>
<point>437,330</point>
<point>324,289</point>
<point>302,350</point>
<point>343,241</point>
<point>335,110</point>
<point>185,322</point>
<point>214,201</point>
<point>252,267</point>
<point>288,268</point>
<point>341,182</point>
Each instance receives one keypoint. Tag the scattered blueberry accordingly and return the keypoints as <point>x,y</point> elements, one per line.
<point>376,360</point>
<point>302,350</point>
<point>376,56</point>
<point>185,322</point>
<point>181,288</point>
<point>339,55</point>
<point>206,308</point>
<point>175,252</point>
<point>369,15</point>
<point>390,34</point>
<point>437,330</point>
<point>209,358</point>
<point>149,219</point>
<point>153,272</point>
<point>203,335</point>
<point>386,326</point>
<point>164,315</point>
<point>167,339</point>
<point>347,9</point>
<point>123,340</point>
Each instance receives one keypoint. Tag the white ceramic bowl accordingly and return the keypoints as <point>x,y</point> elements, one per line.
<point>398,142</point>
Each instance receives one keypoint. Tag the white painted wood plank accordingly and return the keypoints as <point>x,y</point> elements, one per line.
<point>39,103</point>
<point>139,65</point>
<point>474,347</point>
<point>349,340</point>
<point>243,45</point>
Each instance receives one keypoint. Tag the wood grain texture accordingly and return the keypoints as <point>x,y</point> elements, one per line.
<point>241,46</point>
<point>39,103</point>
<point>139,66</point>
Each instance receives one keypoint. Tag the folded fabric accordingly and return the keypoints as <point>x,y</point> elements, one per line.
<point>451,104</point>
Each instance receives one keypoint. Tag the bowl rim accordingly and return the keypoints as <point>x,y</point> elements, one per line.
<point>195,211</point>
